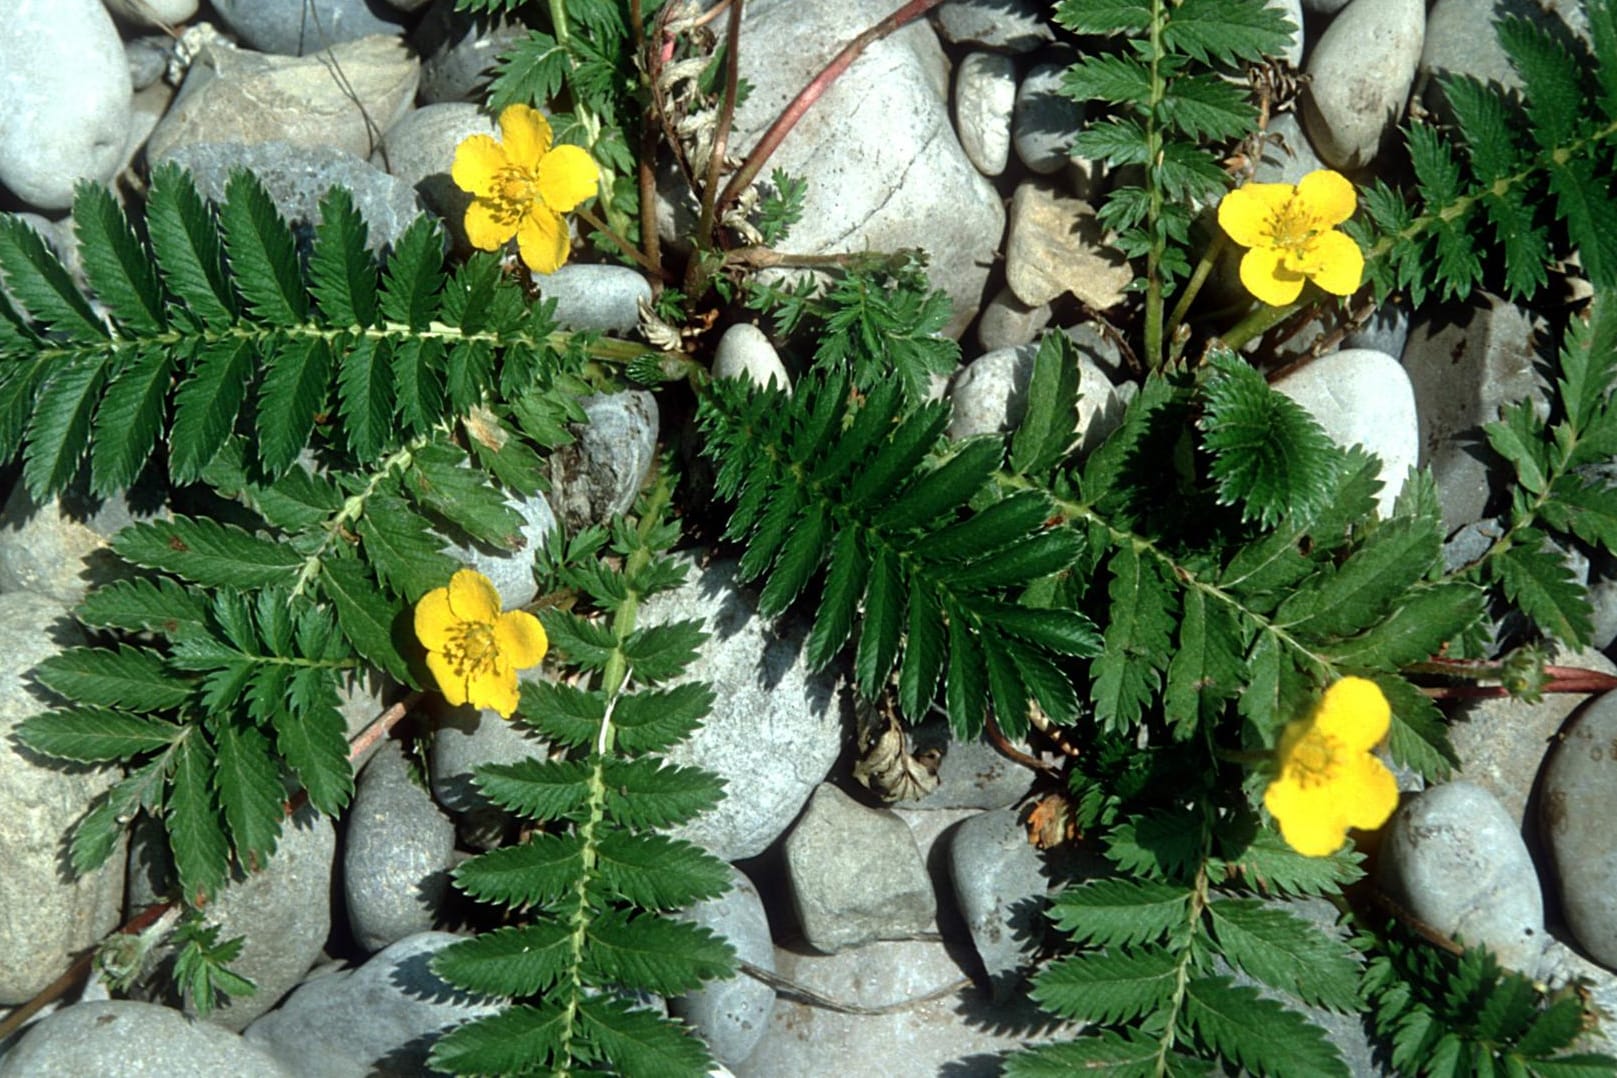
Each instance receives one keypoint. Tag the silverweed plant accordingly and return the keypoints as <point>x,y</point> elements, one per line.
<point>1205,615</point>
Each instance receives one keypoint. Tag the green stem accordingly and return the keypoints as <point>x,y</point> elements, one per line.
<point>622,244</point>
<point>1257,324</point>
<point>1153,184</point>
<point>721,130</point>
<point>1203,269</point>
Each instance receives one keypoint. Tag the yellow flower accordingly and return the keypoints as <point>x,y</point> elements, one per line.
<point>473,650</point>
<point>1328,779</point>
<point>1291,235</point>
<point>521,186</point>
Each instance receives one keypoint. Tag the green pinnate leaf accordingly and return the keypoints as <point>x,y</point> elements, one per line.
<point>196,835</point>
<point>1286,952</point>
<point>365,613</point>
<point>511,961</point>
<point>650,721</point>
<point>1106,1054</point>
<point>1119,912</point>
<point>1048,429</point>
<point>129,420</point>
<point>654,953</point>
<point>651,793</point>
<point>205,406</point>
<point>206,552</point>
<point>140,604</point>
<point>134,679</point>
<point>1538,581</point>
<point>247,782</point>
<point>365,387</point>
<point>1115,986</point>
<point>1128,670</point>
<point>96,735</point>
<point>116,264</point>
<point>342,274</point>
<point>535,873</point>
<point>38,282</point>
<point>263,257</point>
<point>186,241</point>
<point>1247,29</point>
<point>1258,1033</point>
<point>292,393</point>
<point>657,872</point>
<point>538,789</point>
<point>636,1041</point>
<point>60,428</point>
<point>414,275</point>
<point>310,735</point>
<point>1103,17</point>
<point>515,1039</point>
<point>398,544</point>
<point>440,480</point>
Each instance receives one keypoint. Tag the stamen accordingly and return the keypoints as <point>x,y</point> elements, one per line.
<point>1314,758</point>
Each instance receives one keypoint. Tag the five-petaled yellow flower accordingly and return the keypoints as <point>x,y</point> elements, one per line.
<point>473,650</point>
<point>521,186</point>
<point>1291,235</point>
<point>1328,780</point>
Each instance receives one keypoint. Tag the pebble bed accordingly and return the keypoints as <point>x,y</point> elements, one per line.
<point>950,135</point>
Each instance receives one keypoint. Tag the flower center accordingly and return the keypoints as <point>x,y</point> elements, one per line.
<point>514,192</point>
<point>472,650</point>
<point>1314,759</point>
<point>1293,229</point>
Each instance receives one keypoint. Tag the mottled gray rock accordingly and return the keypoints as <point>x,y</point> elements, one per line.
<point>1387,330</point>
<point>971,774</point>
<point>396,855</point>
<point>960,1034</point>
<point>1056,246</point>
<point>984,97</point>
<point>1362,397</point>
<point>1287,154</point>
<point>731,1015</point>
<point>1012,25</point>
<point>123,1037</point>
<point>463,738</point>
<point>1461,40</point>
<point>1453,858</point>
<point>1502,742</point>
<point>231,95</point>
<point>1007,322</point>
<point>61,548</point>
<point>999,880</point>
<point>46,915</point>
<point>420,149</point>
<point>1465,363</point>
<point>746,352</point>
<point>161,14</point>
<point>381,1018</point>
<point>1324,7</point>
<point>1579,803</point>
<point>282,911</point>
<point>511,571</point>
<point>302,27</point>
<point>774,730</point>
<point>595,296</point>
<point>855,874</point>
<point>148,58</point>
<point>298,177</point>
<point>64,91</point>
<point>990,395</point>
<point>1361,71</point>
<point>885,171</point>
<point>1292,10</point>
<point>602,471</point>
<point>1098,343</point>
<point>458,51</point>
<point>1045,120</point>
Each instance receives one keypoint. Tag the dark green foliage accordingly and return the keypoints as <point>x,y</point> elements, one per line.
<point>1481,216</point>
<point>591,889</point>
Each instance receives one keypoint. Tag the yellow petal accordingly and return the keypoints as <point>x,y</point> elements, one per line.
<point>472,597</point>
<point>450,683</point>
<point>567,176</point>
<point>1265,275</point>
<point>1367,793</point>
<point>485,229</point>
<point>520,639</point>
<point>1326,196</point>
<point>525,133</point>
<point>496,689</point>
<point>1306,821</point>
<point>434,619</point>
<point>1247,212</point>
<point>1340,263</point>
<point>478,160</point>
<point>542,240</point>
<point>1354,712</point>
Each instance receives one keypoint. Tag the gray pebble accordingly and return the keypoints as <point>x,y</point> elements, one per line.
<point>1007,322</point>
<point>420,151</point>
<point>1387,330</point>
<point>458,51</point>
<point>159,14</point>
<point>397,853</point>
<point>1361,71</point>
<point>595,296</point>
<point>775,729</point>
<point>1013,25</point>
<point>972,774</point>
<point>124,1037</point>
<point>46,915</point>
<point>1453,858</point>
<point>855,874</point>
<point>1287,154</point>
<point>601,472</point>
<point>511,571</point>
<point>463,738</point>
<point>731,1015</point>
<point>746,352</point>
<point>1045,119</point>
<point>1579,803</point>
<point>990,395</point>
<point>984,97</point>
<point>1055,246</point>
<point>61,548</point>
<point>381,1018</point>
<point>148,58</point>
<point>232,95</point>
<point>999,880</point>
<point>1362,397</point>
<point>304,27</point>
<point>1465,363</point>
<point>64,91</point>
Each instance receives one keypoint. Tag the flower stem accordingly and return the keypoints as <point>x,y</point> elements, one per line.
<point>721,131</point>
<point>1257,324</point>
<point>622,244</point>
<point>1203,269</point>
<point>1153,183</point>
